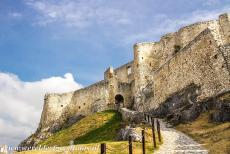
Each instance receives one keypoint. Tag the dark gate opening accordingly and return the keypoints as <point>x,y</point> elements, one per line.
<point>119,100</point>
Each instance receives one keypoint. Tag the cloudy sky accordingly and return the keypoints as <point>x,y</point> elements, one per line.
<point>58,46</point>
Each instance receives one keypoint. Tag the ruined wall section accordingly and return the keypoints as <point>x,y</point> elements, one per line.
<point>143,64</point>
<point>53,107</point>
<point>119,82</point>
<point>59,108</point>
<point>224,22</point>
<point>90,99</point>
<point>124,73</point>
<point>149,56</point>
<point>200,63</point>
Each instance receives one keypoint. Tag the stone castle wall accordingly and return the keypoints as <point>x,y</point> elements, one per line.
<point>59,107</point>
<point>196,54</point>
<point>97,97</point>
<point>53,106</point>
<point>201,63</point>
<point>149,57</point>
<point>124,73</point>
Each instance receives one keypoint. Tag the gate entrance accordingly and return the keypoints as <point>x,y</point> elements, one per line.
<point>119,100</point>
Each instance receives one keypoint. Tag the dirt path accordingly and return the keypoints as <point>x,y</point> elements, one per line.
<point>175,142</point>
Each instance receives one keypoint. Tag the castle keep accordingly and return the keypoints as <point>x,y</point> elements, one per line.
<point>198,55</point>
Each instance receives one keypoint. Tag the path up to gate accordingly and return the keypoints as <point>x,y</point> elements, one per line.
<point>175,142</point>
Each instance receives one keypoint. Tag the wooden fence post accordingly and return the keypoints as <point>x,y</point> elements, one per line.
<point>143,141</point>
<point>153,132</point>
<point>130,145</point>
<point>158,130</point>
<point>148,119</point>
<point>103,148</point>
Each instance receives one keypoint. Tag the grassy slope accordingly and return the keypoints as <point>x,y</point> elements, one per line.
<point>215,136</point>
<point>93,130</point>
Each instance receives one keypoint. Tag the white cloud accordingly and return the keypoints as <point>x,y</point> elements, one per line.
<point>77,13</point>
<point>21,103</point>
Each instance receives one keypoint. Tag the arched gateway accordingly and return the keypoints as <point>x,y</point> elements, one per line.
<point>119,100</point>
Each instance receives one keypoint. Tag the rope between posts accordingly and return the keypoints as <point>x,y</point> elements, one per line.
<point>112,150</point>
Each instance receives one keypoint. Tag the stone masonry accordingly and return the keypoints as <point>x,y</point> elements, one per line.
<point>198,54</point>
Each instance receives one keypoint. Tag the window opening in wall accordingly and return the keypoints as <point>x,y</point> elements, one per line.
<point>216,56</point>
<point>129,70</point>
<point>79,107</point>
<point>61,105</point>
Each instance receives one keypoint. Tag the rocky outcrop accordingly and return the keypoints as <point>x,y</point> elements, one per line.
<point>35,139</point>
<point>43,134</point>
<point>128,131</point>
<point>183,106</point>
<point>222,109</point>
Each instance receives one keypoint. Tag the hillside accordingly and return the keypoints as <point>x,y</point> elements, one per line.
<point>99,127</point>
<point>214,136</point>
<point>90,132</point>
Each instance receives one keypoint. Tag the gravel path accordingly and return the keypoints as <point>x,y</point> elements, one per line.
<point>175,142</point>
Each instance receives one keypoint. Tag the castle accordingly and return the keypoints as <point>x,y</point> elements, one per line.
<point>198,54</point>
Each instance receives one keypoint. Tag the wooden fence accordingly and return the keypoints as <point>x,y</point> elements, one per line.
<point>149,120</point>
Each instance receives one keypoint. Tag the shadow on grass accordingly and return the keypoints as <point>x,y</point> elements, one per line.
<point>107,132</point>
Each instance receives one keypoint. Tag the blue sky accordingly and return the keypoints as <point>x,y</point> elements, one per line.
<point>43,38</point>
<point>63,45</point>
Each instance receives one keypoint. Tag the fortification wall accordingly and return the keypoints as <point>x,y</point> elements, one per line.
<point>125,90</point>
<point>149,56</point>
<point>60,107</point>
<point>53,107</point>
<point>224,22</point>
<point>90,99</point>
<point>124,73</point>
<point>200,63</point>
<point>154,54</point>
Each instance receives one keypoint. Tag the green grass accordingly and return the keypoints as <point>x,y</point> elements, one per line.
<point>95,128</point>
